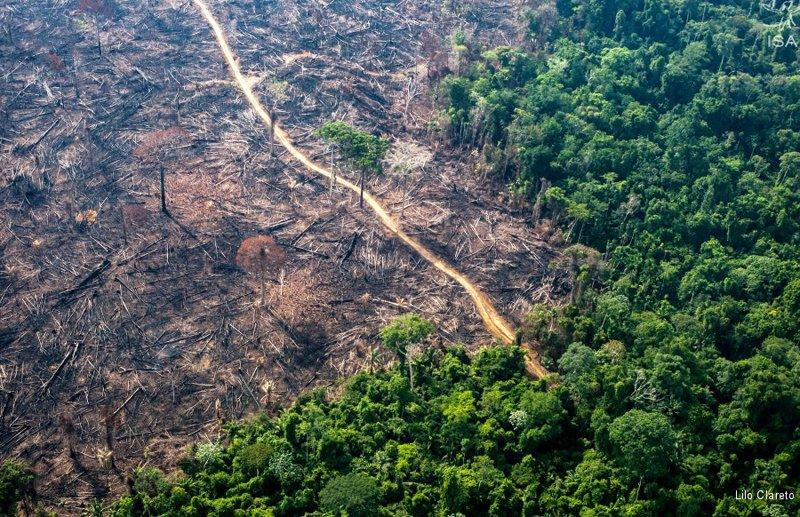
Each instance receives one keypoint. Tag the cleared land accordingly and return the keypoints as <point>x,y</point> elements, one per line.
<point>130,333</point>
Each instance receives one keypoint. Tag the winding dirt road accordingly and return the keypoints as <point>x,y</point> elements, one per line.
<point>495,323</point>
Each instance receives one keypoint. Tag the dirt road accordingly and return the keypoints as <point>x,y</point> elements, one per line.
<point>495,323</point>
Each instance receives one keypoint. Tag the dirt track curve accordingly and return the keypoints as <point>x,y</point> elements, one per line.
<point>495,323</point>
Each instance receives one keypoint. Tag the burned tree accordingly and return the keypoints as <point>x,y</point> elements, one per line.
<point>156,147</point>
<point>106,455</point>
<point>437,62</point>
<point>133,216</point>
<point>260,255</point>
<point>69,434</point>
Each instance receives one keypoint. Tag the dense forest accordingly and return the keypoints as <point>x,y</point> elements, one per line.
<point>661,138</point>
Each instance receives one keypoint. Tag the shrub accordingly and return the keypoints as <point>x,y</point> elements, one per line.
<point>356,494</point>
<point>16,484</point>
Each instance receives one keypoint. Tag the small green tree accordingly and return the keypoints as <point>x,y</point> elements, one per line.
<point>16,484</point>
<point>254,458</point>
<point>360,149</point>
<point>355,495</point>
<point>404,331</point>
<point>148,494</point>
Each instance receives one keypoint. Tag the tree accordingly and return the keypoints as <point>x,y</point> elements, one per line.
<point>259,255</point>
<point>407,157</point>
<point>790,168</point>
<point>157,147</point>
<point>541,19</point>
<point>577,361</point>
<point>594,484</point>
<point>163,187</point>
<point>460,51</point>
<point>133,216</point>
<point>354,495</point>
<point>360,149</point>
<point>404,331</point>
<point>253,458</point>
<point>16,485</point>
<point>543,421</point>
<point>644,444</point>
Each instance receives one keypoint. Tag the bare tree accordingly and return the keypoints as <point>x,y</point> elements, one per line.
<point>411,90</point>
<point>537,205</point>
<point>156,148</point>
<point>68,432</point>
<point>260,255</point>
<point>134,215</point>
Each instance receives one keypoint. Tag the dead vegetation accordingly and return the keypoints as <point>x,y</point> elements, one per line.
<point>128,330</point>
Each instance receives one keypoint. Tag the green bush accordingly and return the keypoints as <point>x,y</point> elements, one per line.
<point>356,495</point>
<point>254,458</point>
<point>16,485</point>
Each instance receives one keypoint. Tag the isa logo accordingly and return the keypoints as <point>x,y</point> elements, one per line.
<point>783,29</point>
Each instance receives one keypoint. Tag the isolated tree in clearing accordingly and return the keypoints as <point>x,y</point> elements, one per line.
<point>133,217</point>
<point>259,255</point>
<point>360,149</point>
<point>405,330</point>
<point>156,148</point>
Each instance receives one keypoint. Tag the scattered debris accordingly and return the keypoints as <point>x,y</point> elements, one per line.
<point>119,321</point>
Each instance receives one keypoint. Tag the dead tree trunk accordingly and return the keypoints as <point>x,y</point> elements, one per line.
<point>371,360</point>
<point>361,196</point>
<point>124,226</point>
<point>263,287</point>
<point>110,421</point>
<point>271,132</point>
<point>537,205</point>
<point>163,194</point>
<point>268,387</point>
<point>7,404</point>
<point>68,430</point>
<point>333,170</point>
